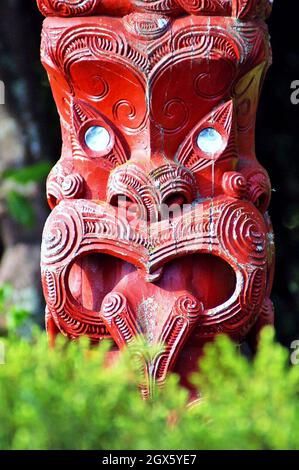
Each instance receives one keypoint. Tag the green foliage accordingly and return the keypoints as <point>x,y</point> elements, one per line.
<point>14,315</point>
<point>20,209</point>
<point>68,398</point>
<point>29,174</point>
<point>17,188</point>
<point>250,405</point>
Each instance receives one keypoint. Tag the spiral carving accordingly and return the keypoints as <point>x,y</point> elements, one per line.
<point>61,187</point>
<point>188,306</point>
<point>72,186</point>
<point>61,236</point>
<point>113,305</point>
<point>259,190</point>
<point>242,233</point>
<point>234,184</point>
<point>175,115</point>
<point>67,7</point>
<point>203,81</point>
<point>95,87</point>
<point>126,114</point>
<point>220,7</point>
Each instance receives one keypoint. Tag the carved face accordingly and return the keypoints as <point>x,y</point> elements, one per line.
<point>159,221</point>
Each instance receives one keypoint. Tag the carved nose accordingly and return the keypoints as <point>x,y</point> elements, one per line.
<point>147,195</point>
<point>129,187</point>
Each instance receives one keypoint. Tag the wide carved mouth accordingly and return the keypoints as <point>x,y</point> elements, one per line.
<point>207,277</point>
<point>211,273</point>
<point>178,284</point>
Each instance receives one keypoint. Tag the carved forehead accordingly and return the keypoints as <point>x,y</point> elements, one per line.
<point>242,9</point>
<point>133,69</point>
<point>149,56</point>
<point>147,42</point>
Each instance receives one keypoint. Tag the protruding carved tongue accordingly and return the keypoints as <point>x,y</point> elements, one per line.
<point>124,327</point>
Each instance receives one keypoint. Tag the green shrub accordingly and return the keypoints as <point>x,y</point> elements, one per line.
<point>68,399</point>
<point>14,318</point>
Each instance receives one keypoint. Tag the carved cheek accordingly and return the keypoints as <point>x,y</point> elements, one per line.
<point>176,109</point>
<point>115,90</point>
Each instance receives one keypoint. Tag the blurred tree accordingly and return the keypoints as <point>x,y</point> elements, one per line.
<point>26,140</point>
<point>277,149</point>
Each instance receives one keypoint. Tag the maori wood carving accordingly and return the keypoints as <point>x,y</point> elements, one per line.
<point>159,222</point>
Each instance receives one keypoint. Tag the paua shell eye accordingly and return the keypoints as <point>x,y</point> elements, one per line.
<point>97,138</point>
<point>209,140</point>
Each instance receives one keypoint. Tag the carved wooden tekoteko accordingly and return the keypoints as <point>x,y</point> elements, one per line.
<point>159,222</point>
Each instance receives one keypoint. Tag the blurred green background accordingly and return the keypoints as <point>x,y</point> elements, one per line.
<point>30,143</point>
<point>77,403</point>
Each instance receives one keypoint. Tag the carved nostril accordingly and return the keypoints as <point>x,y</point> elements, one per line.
<point>52,201</point>
<point>172,206</point>
<point>175,199</point>
<point>176,188</point>
<point>130,187</point>
<point>128,208</point>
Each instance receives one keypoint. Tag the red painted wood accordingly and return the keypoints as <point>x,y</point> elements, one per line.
<point>160,225</point>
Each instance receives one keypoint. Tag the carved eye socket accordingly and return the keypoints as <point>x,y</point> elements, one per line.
<point>97,138</point>
<point>209,140</point>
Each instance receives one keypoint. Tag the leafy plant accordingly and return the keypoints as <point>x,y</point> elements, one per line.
<point>20,208</point>
<point>68,398</point>
<point>17,187</point>
<point>29,174</point>
<point>14,316</point>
